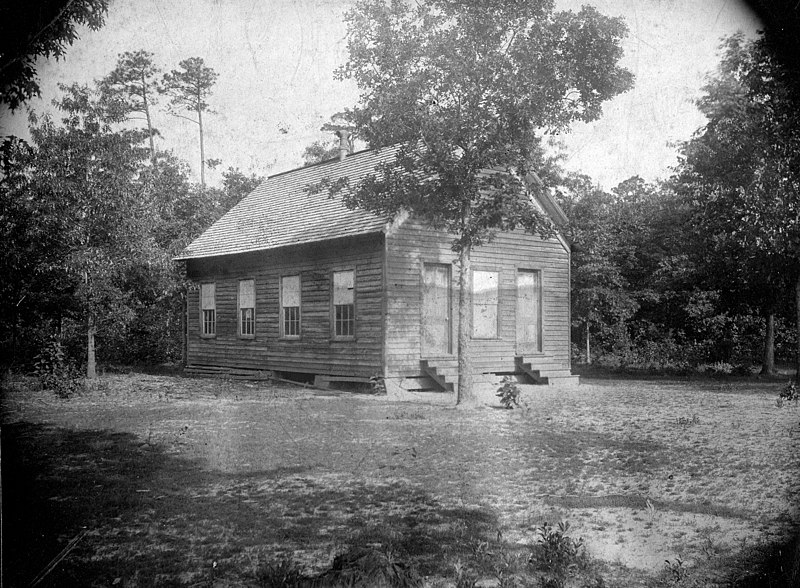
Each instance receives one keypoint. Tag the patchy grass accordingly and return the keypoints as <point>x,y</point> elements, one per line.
<point>186,482</point>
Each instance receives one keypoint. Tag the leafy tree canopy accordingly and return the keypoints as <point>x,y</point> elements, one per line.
<point>44,28</point>
<point>130,88</point>
<point>471,87</point>
<point>741,172</point>
<point>467,91</point>
<point>190,86</point>
<point>319,151</point>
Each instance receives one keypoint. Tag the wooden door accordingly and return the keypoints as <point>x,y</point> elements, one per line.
<point>435,310</point>
<point>529,311</point>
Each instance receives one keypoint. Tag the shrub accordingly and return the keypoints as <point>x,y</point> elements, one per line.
<point>557,555</point>
<point>508,392</point>
<point>465,576</point>
<point>377,385</point>
<point>54,370</point>
<point>718,368</point>
<point>359,567</point>
<point>281,574</point>
<point>677,576</point>
<point>790,393</point>
<point>370,567</point>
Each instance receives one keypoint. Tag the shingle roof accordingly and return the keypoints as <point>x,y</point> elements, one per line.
<point>281,212</point>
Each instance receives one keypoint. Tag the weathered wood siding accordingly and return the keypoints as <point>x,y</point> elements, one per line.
<point>316,351</point>
<point>411,245</point>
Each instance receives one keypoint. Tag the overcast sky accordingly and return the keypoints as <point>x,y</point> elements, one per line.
<point>275,60</point>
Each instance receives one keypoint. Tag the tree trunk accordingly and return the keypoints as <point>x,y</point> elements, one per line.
<point>91,365</point>
<point>768,368</point>
<point>149,124</point>
<point>466,392</point>
<point>14,333</point>
<point>202,152</point>
<point>797,316</point>
<point>588,347</point>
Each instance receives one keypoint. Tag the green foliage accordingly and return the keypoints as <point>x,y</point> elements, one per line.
<point>687,422</point>
<point>54,370</point>
<point>189,87</point>
<point>31,30</point>
<point>131,85</point>
<point>377,385</point>
<point>466,91</point>
<point>675,575</point>
<point>718,368</point>
<point>508,392</point>
<point>92,225</point>
<point>283,573</point>
<point>465,576</point>
<point>557,554</point>
<point>131,88</point>
<point>320,151</point>
<point>357,568</point>
<point>790,393</point>
<point>740,175</point>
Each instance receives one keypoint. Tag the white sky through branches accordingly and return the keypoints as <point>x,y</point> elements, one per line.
<point>275,60</point>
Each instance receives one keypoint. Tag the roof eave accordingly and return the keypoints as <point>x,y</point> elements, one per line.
<point>277,247</point>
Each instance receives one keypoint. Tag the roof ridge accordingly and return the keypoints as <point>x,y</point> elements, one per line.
<point>332,160</point>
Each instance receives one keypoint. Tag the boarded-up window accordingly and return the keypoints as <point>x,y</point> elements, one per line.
<point>290,305</point>
<point>208,309</point>
<point>529,311</point>
<point>247,307</point>
<point>435,310</point>
<point>484,304</point>
<point>344,315</point>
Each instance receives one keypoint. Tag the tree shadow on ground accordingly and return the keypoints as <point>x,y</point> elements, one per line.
<point>151,518</point>
<point>767,565</point>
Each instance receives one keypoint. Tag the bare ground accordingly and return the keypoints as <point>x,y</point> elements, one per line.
<point>177,481</point>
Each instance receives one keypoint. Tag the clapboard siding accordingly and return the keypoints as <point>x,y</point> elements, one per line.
<point>316,351</point>
<point>388,328</point>
<point>410,244</point>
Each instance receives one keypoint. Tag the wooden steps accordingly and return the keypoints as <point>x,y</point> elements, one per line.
<point>443,373</point>
<point>545,373</point>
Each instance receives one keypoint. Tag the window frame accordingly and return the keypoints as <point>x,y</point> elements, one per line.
<point>239,308</point>
<point>282,308</point>
<point>352,319</point>
<point>213,322</point>
<point>474,305</point>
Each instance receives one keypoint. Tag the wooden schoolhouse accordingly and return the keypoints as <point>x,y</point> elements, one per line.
<point>295,284</point>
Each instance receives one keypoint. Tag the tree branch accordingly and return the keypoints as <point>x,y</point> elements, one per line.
<point>27,50</point>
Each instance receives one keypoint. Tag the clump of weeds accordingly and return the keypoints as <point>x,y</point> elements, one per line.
<point>55,372</point>
<point>359,567</point>
<point>557,555</point>
<point>789,395</point>
<point>688,421</point>
<point>508,392</point>
<point>676,575</point>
